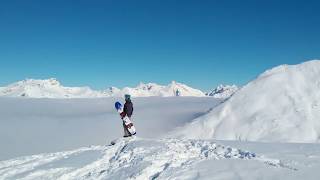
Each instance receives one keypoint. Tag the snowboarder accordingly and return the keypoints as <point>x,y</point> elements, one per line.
<point>127,111</point>
<point>178,92</point>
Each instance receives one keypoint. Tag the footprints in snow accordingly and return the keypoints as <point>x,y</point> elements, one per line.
<point>158,157</point>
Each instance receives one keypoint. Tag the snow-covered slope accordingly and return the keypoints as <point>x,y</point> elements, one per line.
<point>282,104</point>
<point>223,91</point>
<point>51,88</point>
<point>166,159</point>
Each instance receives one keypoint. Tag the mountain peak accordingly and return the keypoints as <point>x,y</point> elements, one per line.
<point>37,82</point>
<point>153,89</point>
<point>45,88</point>
<point>223,91</point>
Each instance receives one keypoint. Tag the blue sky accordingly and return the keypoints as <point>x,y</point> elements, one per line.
<point>123,42</point>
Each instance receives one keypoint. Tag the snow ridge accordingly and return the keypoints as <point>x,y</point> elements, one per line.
<point>51,88</point>
<point>223,91</point>
<point>152,89</point>
<point>281,105</point>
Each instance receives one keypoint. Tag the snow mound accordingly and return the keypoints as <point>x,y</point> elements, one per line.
<point>51,88</point>
<point>223,91</point>
<point>281,105</point>
<point>127,159</point>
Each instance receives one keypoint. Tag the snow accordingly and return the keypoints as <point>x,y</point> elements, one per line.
<point>49,88</point>
<point>280,161</point>
<point>281,105</point>
<point>223,91</point>
<point>140,158</point>
<point>152,89</point>
<point>31,126</point>
<point>52,88</point>
<point>246,134</point>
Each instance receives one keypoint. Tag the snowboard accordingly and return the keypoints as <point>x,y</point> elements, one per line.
<point>128,123</point>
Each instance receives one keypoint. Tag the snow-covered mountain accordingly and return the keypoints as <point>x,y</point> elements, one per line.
<point>282,104</point>
<point>51,88</point>
<point>152,89</point>
<point>223,91</point>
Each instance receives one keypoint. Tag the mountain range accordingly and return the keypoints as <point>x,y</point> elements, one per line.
<point>52,88</point>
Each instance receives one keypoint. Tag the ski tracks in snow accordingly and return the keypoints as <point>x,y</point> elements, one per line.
<point>127,159</point>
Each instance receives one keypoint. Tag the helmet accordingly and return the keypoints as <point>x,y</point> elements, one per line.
<point>127,97</point>
<point>118,105</point>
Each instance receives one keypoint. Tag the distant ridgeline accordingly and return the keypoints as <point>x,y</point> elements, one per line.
<point>52,88</point>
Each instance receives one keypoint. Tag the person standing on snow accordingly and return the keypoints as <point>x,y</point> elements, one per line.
<point>127,111</point>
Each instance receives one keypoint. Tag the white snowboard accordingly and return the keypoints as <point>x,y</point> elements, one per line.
<point>128,123</point>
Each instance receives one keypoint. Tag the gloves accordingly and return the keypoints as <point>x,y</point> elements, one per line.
<point>123,114</point>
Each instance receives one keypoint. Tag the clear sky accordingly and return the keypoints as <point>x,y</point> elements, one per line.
<point>124,42</point>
